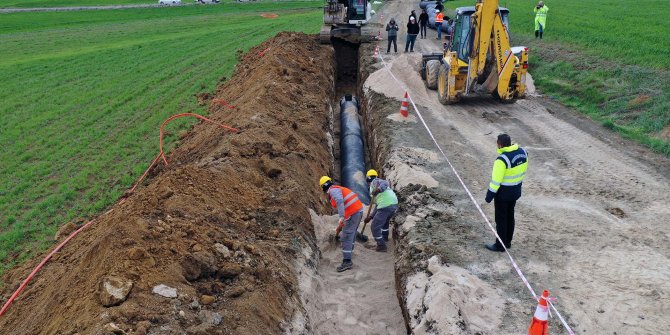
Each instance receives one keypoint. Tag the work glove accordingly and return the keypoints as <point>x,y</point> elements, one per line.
<point>489,196</point>
<point>367,219</point>
<point>340,225</point>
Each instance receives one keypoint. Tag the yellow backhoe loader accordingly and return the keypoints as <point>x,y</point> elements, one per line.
<point>478,57</point>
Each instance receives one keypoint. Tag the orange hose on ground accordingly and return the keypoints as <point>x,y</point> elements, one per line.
<point>161,154</point>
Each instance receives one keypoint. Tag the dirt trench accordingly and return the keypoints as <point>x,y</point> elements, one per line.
<point>362,300</point>
<point>233,236</point>
<point>222,225</point>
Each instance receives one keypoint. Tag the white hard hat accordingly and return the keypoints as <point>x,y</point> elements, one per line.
<point>437,11</point>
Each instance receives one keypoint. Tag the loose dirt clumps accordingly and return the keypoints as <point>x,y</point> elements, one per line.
<point>221,225</point>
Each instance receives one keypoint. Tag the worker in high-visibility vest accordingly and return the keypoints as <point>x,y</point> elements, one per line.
<point>385,203</point>
<point>509,170</point>
<point>439,18</point>
<point>540,19</point>
<point>350,211</point>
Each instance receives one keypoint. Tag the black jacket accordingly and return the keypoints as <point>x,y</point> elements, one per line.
<point>413,29</point>
<point>423,19</point>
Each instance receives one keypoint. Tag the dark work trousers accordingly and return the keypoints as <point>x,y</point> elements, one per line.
<point>423,30</point>
<point>348,234</point>
<point>505,221</point>
<point>409,44</point>
<point>395,45</point>
<point>380,223</point>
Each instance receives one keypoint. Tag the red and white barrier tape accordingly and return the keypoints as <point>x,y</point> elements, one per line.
<point>479,209</point>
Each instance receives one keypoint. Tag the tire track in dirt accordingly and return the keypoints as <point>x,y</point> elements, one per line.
<point>591,225</point>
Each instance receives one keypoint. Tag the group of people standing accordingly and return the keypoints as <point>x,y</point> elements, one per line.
<point>418,26</point>
<point>415,26</point>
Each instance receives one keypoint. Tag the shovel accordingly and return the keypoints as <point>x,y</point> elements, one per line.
<point>360,236</point>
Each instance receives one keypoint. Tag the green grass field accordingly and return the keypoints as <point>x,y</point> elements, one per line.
<point>68,3</point>
<point>606,58</point>
<point>84,93</point>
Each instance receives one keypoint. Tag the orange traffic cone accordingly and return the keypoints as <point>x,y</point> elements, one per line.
<point>404,106</point>
<point>539,326</point>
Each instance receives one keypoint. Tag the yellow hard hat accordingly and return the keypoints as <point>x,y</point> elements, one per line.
<point>371,173</point>
<point>324,180</point>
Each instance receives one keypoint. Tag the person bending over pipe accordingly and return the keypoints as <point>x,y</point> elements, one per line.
<point>386,204</point>
<point>350,211</point>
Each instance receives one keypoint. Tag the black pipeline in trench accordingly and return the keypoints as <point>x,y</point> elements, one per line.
<point>352,156</point>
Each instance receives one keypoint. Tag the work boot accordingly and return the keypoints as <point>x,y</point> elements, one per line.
<point>346,265</point>
<point>494,247</point>
<point>381,248</point>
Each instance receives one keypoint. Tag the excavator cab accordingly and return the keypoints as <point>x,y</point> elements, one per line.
<point>463,36</point>
<point>343,19</point>
<point>358,12</point>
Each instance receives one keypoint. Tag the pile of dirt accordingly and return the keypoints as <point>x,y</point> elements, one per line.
<point>208,246</point>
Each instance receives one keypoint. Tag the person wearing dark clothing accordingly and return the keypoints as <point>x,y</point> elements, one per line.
<point>507,176</point>
<point>412,32</point>
<point>423,23</point>
<point>392,29</point>
<point>439,6</point>
<point>412,14</point>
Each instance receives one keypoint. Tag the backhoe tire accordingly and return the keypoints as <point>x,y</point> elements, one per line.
<point>443,86</point>
<point>432,69</point>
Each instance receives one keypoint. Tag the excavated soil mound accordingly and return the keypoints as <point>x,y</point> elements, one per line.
<point>222,224</point>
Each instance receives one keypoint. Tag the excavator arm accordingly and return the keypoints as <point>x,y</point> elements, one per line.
<point>491,35</point>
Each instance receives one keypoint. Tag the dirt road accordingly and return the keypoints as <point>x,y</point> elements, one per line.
<point>592,222</point>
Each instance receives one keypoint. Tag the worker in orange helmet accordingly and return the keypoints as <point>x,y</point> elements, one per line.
<point>350,210</point>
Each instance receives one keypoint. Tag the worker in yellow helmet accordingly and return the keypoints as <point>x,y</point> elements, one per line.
<point>540,18</point>
<point>386,204</point>
<point>509,170</point>
<point>350,211</point>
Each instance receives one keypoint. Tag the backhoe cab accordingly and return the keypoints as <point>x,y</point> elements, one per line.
<point>343,19</point>
<point>478,57</point>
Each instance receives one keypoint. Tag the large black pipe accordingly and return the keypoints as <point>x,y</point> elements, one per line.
<point>352,152</point>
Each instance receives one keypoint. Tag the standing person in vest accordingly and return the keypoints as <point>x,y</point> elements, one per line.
<point>439,18</point>
<point>350,211</point>
<point>540,18</point>
<point>386,204</point>
<point>508,172</point>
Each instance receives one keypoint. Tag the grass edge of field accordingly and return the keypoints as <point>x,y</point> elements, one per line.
<point>38,247</point>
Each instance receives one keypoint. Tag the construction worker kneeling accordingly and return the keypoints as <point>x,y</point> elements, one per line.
<point>350,211</point>
<point>386,203</point>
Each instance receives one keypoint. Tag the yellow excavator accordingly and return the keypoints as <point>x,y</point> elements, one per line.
<point>478,57</point>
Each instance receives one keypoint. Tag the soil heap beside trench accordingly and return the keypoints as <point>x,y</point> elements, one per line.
<point>222,224</point>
